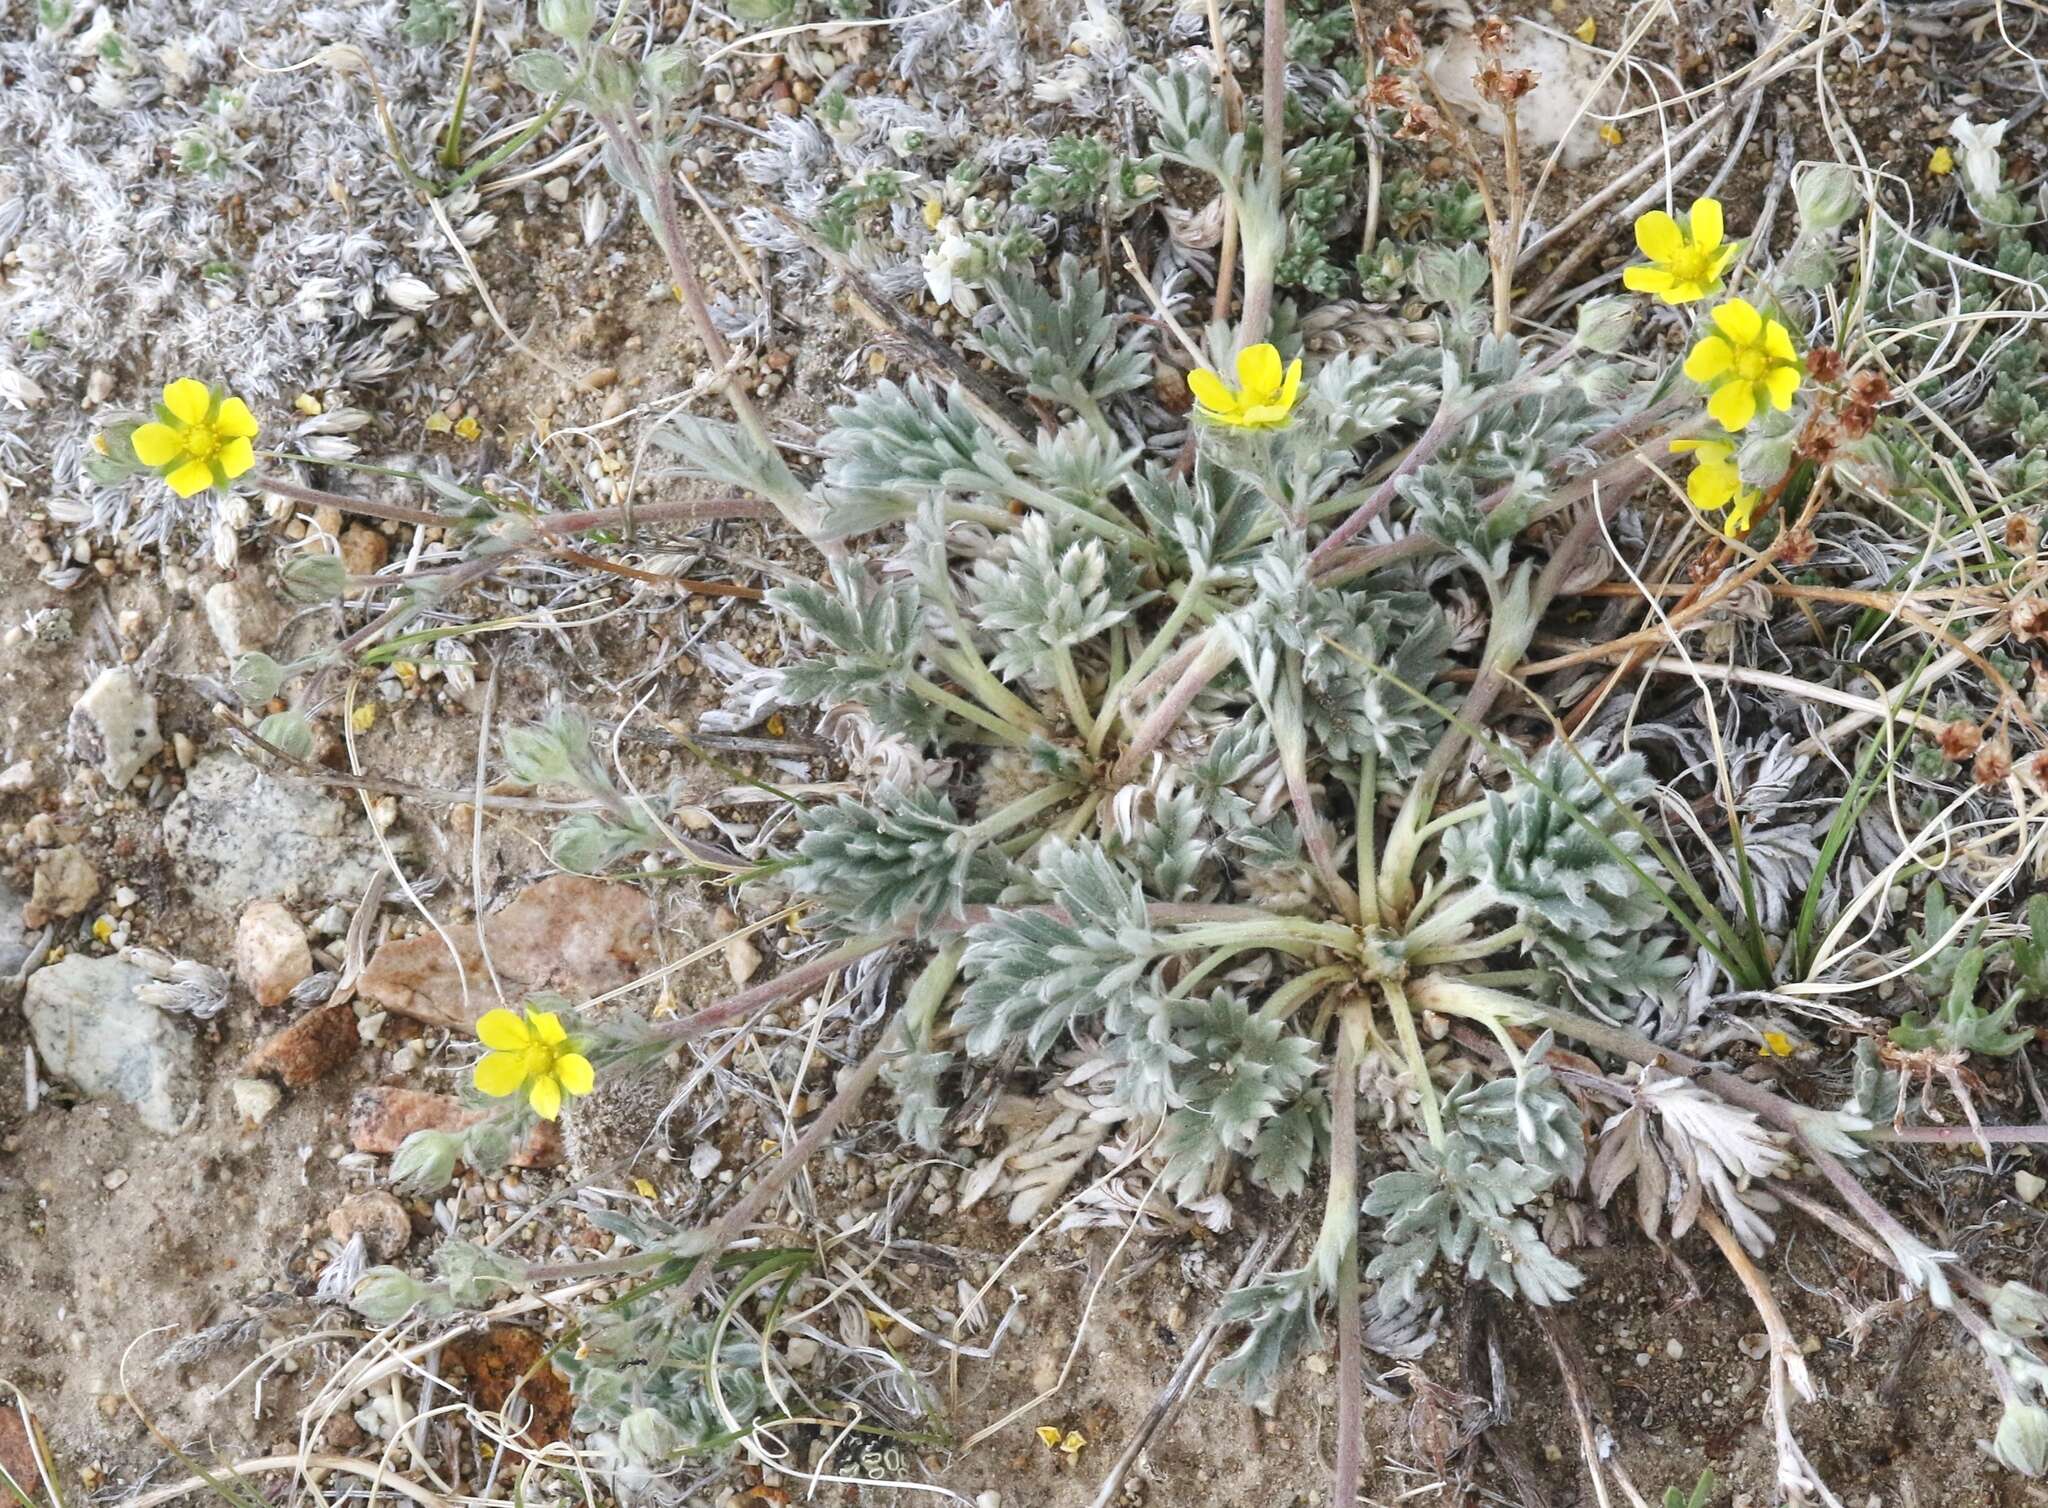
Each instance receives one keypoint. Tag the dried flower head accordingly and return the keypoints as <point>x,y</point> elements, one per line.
<point>2022,536</point>
<point>1959,740</point>
<point>1400,46</point>
<point>1492,35</point>
<point>1504,86</point>
<point>2029,620</point>
<point>1824,365</point>
<point>1993,762</point>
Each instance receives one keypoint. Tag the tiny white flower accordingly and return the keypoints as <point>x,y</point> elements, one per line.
<point>946,263</point>
<point>1980,154</point>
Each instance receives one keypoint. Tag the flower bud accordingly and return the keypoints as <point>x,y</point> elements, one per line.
<point>384,1295</point>
<point>1827,196</point>
<point>1604,324</point>
<point>613,76</point>
<point>647,1439</point>
<point>313,578</point>
<point>541,72</point>
<point>535,755</point>
<point>2022,1439</point>
<point>288,733</point>
<point>255,677</point>
<point>571,20</point>
<point>425,1162</point>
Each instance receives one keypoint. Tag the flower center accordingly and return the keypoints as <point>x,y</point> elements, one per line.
<point>540,1059</point>
<point>201,441</point>
<point>1751,365</point>
<point>1690,265</point>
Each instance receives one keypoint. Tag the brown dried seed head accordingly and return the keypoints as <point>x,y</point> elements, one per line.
<point>1504,86</point>
<point>1389,92</point>
<point>1993,762</point>
<point>1959,740</point>
<point>1400,47</point>
<point>2034,773</point>
<point>1420,124</point>
<point>1824,364</point>
<point>1821,439</point>
<point>1492,35</point>
<point>1869,389</point>
<point>2030,620</point>
<point>2021,535</point>
<point>1795,548</point>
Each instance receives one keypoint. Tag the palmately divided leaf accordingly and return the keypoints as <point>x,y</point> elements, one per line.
<point>1065,348</point>
<point>893,446</point>
<point>874,632</point>
<point>1561,851</point>
<point>1049,589</point>
<point>1280,1316</point>
<point>902,856</point>
<point>1035,973</point>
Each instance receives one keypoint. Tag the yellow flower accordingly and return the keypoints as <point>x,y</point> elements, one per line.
<point>200,438</point>
<point>1750,362</point>
<point>1715,483</point>
<point>1265,392</point>
<point>1684,264</point>
<point>534,1052</point>
<point>1942,163</point>
<point>1778,1045</point>
<point>1742,514</point>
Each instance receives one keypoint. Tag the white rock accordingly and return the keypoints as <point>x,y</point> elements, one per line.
<point>705,1160</point>
<point>243,616</point>
<point>255,1099</point>
<point>742,959</point>
<point>2028,1185</point>
<point>15,936</point>
<point>114,726</point>
<point>19,776</point>
<point>235,836</point>
<point>91,1031</point>
<point>271,955</point>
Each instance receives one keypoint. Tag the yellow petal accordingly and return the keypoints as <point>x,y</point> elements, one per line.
<point>188,399</point>
<point>503,1030</point>
<point>1210,392</point>
<point>235,421</point>
<point>1782,383</point>
<point>236,457</point>
<point>1647,280</point>
<point>1712,487</point>
<point>1737,319</point>
<point>575,1072</point>
<point>1290,387</point>
<point>546,1026</point>
<point>545,1097</point>
<point>156,444</point>
<point>1258,373</point>
<point>1733,405</point>
<point>191,479</point>
<point>1048,1434</point>
<point>1709,359</point>
<point>1706,224</point>
<point>500,1073</point>
<point>1263,416</point>
<point>1722,258</point>
<point>1778,342</point>
<point>1659,236</point>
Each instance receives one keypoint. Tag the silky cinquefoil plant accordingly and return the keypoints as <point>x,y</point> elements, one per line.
<point>1210,795</point>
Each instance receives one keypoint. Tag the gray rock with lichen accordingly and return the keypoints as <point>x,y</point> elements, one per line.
<point>236,835</point>
<point>91,1031</point>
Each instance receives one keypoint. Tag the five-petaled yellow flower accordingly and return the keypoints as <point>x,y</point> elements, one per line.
<point>1685,264</point>
<point>1265,390</point>
<point>535,1055</point>
<point>1750,362</point>
<point>1715,483</point>
<point>200,440</point>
